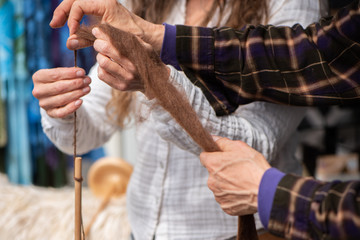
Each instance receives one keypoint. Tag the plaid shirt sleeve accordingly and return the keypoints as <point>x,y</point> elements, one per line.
<point>319,65</point>
<point>305,208</point>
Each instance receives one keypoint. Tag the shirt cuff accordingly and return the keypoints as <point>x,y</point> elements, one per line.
<point>168,49</point>
<point>267,189</point>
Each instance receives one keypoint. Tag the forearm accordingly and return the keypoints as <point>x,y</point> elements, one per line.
<point>259,63</point>
<point>304,208</point>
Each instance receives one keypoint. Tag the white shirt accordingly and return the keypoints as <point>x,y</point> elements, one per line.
<point>167,195</point>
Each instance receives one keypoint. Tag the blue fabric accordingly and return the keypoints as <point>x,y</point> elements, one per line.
<point>38,45</point>
<point>22,79</point>
<point>28,44</point>
<point>8,84</point>
<point>267,189</point>
<point>168,49</point>
<point>14,75</point>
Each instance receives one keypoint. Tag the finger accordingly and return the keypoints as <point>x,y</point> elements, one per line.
<point>227,145</point>
<point>204,156</point>
<point>100,34</point>
<point>215,138</point>
<point>114,68</point>
<point>61,14</point>
<point>56,74</point>
<point>81,8</point>
<point>112,81</point>
<point>74,42</point>
<point>222,142</point>
<point>211,183</point>
<point>211,160</point>
<point>66,110</point>
<point>61,87</point>
<point>63,99</point>
<point>103,45</point>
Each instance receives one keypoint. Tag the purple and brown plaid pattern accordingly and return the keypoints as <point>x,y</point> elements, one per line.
<point>319,65</point>
<point>304,208</point>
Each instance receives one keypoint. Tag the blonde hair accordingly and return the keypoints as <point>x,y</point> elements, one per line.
<point>243,12</point>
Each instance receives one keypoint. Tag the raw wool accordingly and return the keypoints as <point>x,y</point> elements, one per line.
<point>153,73</point>
<point>36,213</point>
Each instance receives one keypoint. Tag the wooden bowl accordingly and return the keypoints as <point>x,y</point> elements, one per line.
<point>109,176</point>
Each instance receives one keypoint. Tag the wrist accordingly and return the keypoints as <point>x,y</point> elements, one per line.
<point>152,34</point>
<point>266,194</point>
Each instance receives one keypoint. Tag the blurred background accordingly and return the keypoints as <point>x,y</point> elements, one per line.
<point>28,44</point>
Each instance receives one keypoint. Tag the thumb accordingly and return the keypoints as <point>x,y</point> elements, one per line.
<point>228,145</point>
<point>222,142</point>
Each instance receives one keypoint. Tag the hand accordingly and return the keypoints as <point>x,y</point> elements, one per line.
<point>235,175</point>
<point>59,90</point>
<point>109,11</point>
<point>115,69</point>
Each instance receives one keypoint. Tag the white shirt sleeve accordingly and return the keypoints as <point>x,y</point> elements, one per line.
<point>290,12</point>
<point>93,125</point>
<point>264,126</point>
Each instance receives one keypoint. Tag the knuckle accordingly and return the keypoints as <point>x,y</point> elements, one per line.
<point>76,5</point>
<point>54,113</point>
<point>58,88</point>
<point>103,62</point>
<point>100,59</point>
<point>132,68</point>
<point>79,83</point>
<point>101,46</point>
<point>42,104</point>
<point>60,114</point>
<point>39,76</point>
<point>211,183</point>
<point>123,86</point>
<point>62,101</point>
<point>50,113</point>
<point>203,157</point>
<point>101,73</point>
<point>35,93</point>
<point>228,211</point>
<point>129,77</point>
<point>53,75</point>
<point>35,76</point>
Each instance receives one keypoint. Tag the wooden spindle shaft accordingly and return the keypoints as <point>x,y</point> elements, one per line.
<point>78,184</point>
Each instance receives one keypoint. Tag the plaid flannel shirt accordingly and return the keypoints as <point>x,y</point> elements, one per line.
<point>315,66</point>
<point>305,208</point>
<point>318,65</point>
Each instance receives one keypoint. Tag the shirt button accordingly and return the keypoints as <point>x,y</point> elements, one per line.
<point>161,165</point>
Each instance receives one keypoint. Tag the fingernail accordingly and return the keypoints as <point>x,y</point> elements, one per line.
<point>78,102</point>
<point>79,73</point>
<point>74,43</point>
<point>95,31</point>
<point>86,89</point>
<point>87,80</point>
